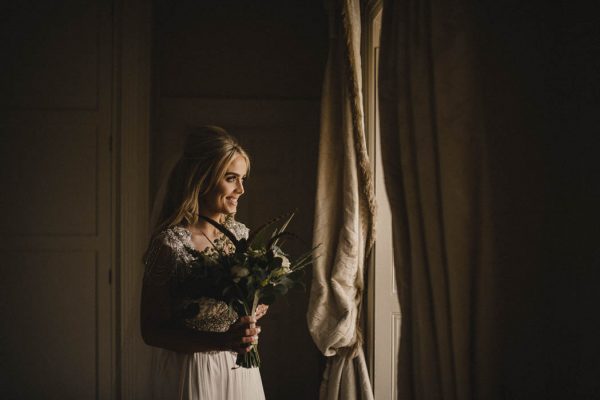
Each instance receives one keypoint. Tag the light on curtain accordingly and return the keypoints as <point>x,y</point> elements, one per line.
<point>344,214</point>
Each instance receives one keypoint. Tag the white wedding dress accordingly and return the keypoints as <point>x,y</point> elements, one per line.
<point>198,376</point>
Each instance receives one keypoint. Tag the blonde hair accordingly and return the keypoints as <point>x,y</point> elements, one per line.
<point>208,151</point>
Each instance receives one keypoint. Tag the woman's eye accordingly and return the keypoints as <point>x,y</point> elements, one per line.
<point>232,179</point>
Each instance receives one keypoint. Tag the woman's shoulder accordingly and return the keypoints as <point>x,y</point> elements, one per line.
<point>240,230</point>
<point>174,239</point>
<point>174,235</point>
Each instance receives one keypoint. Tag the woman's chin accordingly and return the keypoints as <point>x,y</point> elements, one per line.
<point>231,210</point>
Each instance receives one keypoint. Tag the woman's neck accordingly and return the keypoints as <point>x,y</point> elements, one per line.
<point>202,226</point>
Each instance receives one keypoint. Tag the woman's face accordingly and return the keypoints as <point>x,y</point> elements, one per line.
<point>223,199</point>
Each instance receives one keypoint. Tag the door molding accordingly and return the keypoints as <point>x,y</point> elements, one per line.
<point>132,104</point>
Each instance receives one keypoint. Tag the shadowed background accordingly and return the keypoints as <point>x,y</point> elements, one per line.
<point>256,68</point>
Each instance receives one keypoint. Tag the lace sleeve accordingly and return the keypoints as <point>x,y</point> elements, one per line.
<point>240,230</point>
<point>160,262</point>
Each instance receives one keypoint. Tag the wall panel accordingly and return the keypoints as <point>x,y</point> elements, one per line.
<point>51,52</point>
<point>48,307</point>
<point>50,170</point>
<point>56,224</point>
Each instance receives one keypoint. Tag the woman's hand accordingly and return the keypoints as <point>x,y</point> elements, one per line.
<point>261,310</point>
<point>242,335</point>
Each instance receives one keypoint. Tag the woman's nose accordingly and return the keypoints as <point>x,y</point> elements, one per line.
<point>239,188</point>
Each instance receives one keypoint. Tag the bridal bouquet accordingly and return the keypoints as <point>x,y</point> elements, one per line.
<point>255,273</point>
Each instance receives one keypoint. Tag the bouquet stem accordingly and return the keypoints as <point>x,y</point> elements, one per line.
<point>250,359</point>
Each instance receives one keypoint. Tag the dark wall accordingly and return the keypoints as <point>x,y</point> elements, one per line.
<point>540,68</point>
<point>235,48</point>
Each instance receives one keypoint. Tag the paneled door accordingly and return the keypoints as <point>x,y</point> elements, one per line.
<point>55,204</point>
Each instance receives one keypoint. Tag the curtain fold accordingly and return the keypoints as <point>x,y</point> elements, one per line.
<point>434,158</point>
<point>344,214</point>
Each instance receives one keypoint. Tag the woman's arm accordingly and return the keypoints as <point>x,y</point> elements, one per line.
<point>155,314</point>
<point>158,330</point>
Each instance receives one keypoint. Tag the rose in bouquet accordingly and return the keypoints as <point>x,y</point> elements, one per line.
<point>256,272</point>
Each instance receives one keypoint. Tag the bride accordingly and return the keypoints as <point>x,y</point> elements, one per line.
<point>194,356</point>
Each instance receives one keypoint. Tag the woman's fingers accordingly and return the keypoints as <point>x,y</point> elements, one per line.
<point>244,334</point>
<point>251,335</point>
<point>249,339</point>
<point>261,310</point>
<point>247,319</point>
<point>252,331</point>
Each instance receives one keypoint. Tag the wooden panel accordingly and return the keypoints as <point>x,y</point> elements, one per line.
<point>49,54</point>
<point>134,360</point>
<point>386,311</point>
<point>55,169</point>
<point>49,174</point>
<point>396,325</point>
<point>48,308</point>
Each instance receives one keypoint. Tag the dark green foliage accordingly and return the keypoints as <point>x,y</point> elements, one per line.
<point>256,272</point>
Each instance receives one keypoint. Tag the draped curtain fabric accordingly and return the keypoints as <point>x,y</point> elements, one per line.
<point>435,165</point>
<point>344,214</point>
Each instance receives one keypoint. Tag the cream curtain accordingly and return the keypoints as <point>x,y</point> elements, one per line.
<point>344,214</point>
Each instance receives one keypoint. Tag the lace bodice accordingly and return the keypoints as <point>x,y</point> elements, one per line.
<point>167,262</point>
